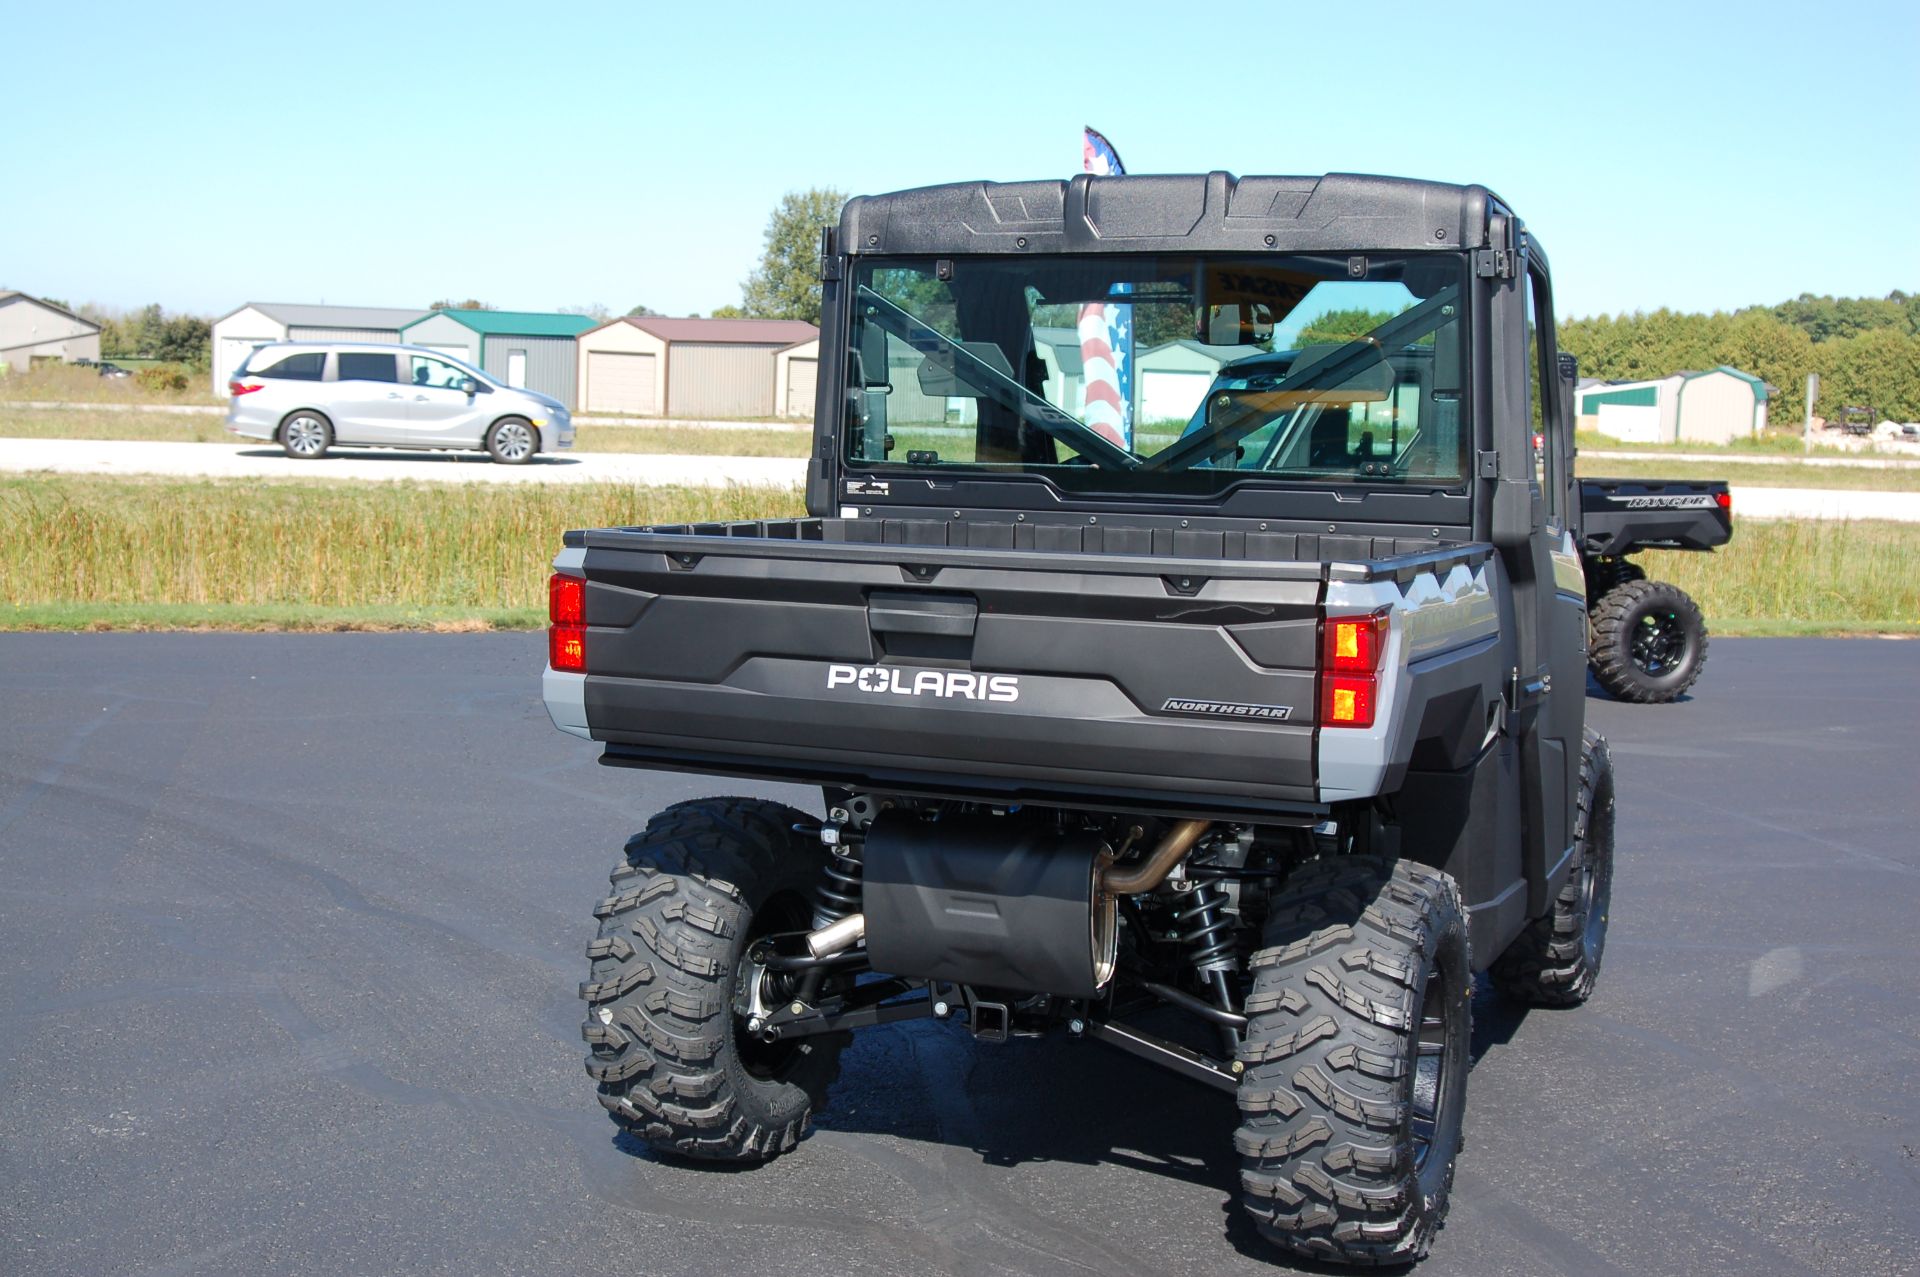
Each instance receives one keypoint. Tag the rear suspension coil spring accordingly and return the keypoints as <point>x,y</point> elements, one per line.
<point>840,894</point>
<point>1205,929</point>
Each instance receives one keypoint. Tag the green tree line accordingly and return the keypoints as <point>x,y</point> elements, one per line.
<point>151,333</point>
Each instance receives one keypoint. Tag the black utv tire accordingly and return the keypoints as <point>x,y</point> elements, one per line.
<point>664,1042</point>
<point>1556,960</point>
<point>1356,1060</point>
<point>1649,642</point>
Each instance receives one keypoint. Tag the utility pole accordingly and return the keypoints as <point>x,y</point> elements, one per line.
<point>1813,393</point>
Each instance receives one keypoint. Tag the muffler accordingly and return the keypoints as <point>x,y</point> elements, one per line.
<point>1002,902</point>
<point>990,901</point>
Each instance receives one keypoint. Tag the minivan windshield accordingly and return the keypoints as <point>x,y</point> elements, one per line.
<point>1177,374</point>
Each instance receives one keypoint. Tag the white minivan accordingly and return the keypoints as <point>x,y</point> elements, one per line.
<point>309,396</point>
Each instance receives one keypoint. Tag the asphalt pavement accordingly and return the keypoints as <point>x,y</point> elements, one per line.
<point>290,929</point>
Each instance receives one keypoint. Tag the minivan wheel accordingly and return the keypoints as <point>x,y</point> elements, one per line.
<point>512,441</point>
<point>306,436</point>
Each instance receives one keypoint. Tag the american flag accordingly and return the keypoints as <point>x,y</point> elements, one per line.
<point>1106,330</point>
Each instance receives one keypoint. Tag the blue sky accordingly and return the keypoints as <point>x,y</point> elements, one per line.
<point>1697,156</point>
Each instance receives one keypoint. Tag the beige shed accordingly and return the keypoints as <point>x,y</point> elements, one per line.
<point>653,366</point>
<point>796,375</point>
<point>34,331</point>
<point>1720,405</point>
<point>1716,406</point>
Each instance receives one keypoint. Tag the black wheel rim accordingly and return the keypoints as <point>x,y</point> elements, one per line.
<point>763,1060</point>
<point>1439,1056</point>
<point>1596,899</point>
<point>1659,643</point>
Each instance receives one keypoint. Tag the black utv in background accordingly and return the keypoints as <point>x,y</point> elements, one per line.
<point>1241,743</point>
<point>1649,640</point>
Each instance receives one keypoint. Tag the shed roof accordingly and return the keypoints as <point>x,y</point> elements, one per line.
<point>11,295</point>
<point>1759,386</point>
<point>308,316</point>
<point>516,323</point>
<point>741,332</point>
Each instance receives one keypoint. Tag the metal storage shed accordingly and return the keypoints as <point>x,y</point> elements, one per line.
<point>1716,406</point>
<point>522,348</point>
<point>31,330</point>
<point>1720,405</point>
<point>239,331</point>
<point>1170,380</point>
<point>653,366</point>
<point>796,375</point>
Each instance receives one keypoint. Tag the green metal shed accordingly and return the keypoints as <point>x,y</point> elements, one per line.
<point>533,349</point>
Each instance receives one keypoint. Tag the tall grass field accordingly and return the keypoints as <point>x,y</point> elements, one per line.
<point>81,551</point>
<point>1790,577</point>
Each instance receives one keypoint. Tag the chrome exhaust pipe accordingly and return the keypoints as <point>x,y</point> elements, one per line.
<point>838,936</point>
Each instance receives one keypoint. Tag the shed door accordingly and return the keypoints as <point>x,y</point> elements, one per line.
<point>517,368</point>
<point>233,350</point>
<point>802,375</point>
<point>1172,396</point>
<point>620,382</point>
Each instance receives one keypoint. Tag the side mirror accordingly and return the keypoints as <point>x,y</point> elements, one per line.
<point>469,385</point>
<point>1236,324</point>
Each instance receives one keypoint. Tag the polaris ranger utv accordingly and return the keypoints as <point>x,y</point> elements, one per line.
<point>1239,742</point>
<point>1648,638</point>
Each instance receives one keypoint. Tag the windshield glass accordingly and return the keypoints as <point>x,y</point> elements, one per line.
<point>466,369</point>
<point>1177,374</point>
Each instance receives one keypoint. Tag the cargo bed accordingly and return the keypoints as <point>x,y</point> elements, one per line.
<point>1153,668</point>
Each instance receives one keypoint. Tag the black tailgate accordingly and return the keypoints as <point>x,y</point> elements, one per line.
<point>1003,673</point>
<point>1619,516</point>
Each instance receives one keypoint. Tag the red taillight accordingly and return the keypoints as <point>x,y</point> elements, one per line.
<point>1725,501</point>
<point>1351,650</point>
<point>1353,643</point>
<point>566,600</point>
<point>567,648</point>
<point>1347,700</point>
<point>567,635</point>
<point>238,387</point>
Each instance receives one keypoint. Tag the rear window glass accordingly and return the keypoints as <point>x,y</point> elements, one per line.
<point>362,366</point>
<point>305,366</point>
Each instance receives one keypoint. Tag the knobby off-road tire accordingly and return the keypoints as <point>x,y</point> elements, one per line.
<point>674,1066</point>
<point>1649,642</point>
<point>1556,960</point>
<point>1349,1124</point>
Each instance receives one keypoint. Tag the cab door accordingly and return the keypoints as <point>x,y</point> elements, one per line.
<point>1563,601</point>
<point>366,403</point>
<point>446,404</point>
